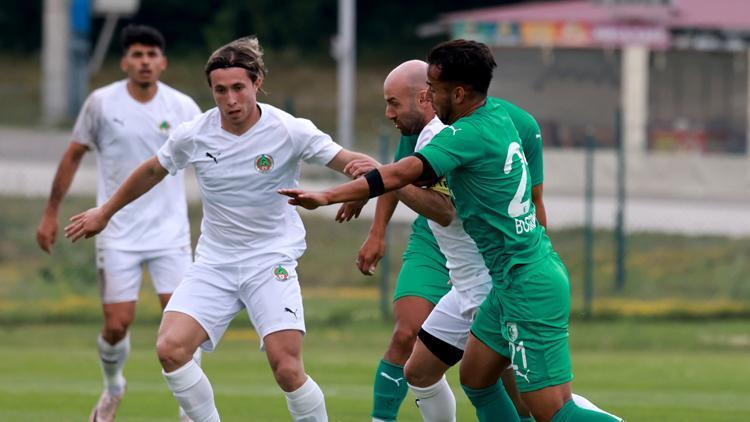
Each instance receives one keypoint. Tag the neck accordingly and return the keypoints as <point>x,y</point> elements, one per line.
<point>241,127</point>
<point>469,108</point>
<point>142,93</point>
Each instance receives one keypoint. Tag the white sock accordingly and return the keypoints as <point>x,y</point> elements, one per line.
<point>193,391</point>
<point>585,403</point>
<point>197,358</point>
<point>307,404</point>
<point>436,403</point>
<point>112,358</point>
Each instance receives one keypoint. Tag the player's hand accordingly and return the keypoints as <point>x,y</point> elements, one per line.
<point>360,166</point>
<point>304,199</point>
<point>46,232</point>
<point>86,224</point>
<point>349,210</point>
<point>370,254</point>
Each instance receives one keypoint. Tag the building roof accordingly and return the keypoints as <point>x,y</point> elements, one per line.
<point>733,15</point>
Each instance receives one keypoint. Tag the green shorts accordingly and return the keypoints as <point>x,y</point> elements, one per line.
<point>526,320</point>
<point>423,273</point>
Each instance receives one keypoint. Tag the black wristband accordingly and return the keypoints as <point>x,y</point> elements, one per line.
<point>375,182</point>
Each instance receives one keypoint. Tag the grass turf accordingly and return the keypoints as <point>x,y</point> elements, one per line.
<point>644,371</point>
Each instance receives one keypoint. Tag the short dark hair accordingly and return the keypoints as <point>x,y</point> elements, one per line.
<point>141,34</point>
<point>464,61</point>
<point>245,53</point>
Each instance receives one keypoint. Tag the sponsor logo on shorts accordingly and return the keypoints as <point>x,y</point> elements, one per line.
<point>263,163</point>
<point>280,273</point>
<point>512,331</point>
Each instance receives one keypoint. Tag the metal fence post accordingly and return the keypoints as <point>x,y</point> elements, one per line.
<point>588,239</point>
<point>620,217</point>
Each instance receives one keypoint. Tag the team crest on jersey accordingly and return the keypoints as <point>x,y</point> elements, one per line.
<point>280,273</point>
<point>263,163</point>
<point>164,127</point>
<point>512,331</point>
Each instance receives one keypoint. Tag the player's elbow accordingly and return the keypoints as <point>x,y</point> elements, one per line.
<point>446,217</point>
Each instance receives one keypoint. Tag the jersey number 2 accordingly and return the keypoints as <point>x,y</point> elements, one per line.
<point>517,206</point>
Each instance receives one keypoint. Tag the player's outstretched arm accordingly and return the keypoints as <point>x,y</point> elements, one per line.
<point>46,232</point>
<point>140,181</point>
<point>389,177</point>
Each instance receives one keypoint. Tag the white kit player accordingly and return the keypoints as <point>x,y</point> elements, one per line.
<point>125,123</point>
<point>243,152</point>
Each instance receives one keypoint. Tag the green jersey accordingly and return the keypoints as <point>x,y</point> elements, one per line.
<point>419,228</point>
<point>531,138</point>
<point>483,159</point>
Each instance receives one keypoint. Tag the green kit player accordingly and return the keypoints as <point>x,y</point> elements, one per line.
<point>524,320</point>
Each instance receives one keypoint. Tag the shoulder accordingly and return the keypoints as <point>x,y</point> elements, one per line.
<point>289,124</point>
<point>100,95</point>
<point>201,123</point>
<point>174,94</point>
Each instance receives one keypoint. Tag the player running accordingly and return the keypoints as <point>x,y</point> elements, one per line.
<point>246,257</point>
<point>524,320</point>
<point>125,123</point>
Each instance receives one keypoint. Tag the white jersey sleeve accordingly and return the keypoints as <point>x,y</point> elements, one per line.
<point>178,150</point>
<point>87,124</point>
<point>314,146</point>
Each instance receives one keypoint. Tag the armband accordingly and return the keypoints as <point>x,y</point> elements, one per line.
<point>375,183</point>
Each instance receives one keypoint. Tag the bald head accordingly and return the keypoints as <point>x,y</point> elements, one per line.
<point>411,74</point>
<point>405,93</point>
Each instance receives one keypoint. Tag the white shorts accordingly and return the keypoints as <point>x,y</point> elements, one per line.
<point>451,319</point>
<point>267,287</point>
<point>120,273</point>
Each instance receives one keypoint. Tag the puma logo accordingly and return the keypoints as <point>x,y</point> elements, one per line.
<point>208,154</point>
<point>388,377</point>
<point>118,121</point>
<point>453,129</point>
<point>293,312</point>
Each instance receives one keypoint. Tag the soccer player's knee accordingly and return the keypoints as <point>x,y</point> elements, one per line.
<point>413,375</point>
<point>171,353</point>
<point>404,337</point>
<point>289,374</point>
<point>115,330</point>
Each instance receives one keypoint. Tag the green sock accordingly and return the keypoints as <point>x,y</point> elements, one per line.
<point>492,404</point>
<point>570,412</point>
<point>389,391</point>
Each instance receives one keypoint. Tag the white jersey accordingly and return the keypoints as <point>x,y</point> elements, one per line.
<point>124,133</point>
<point>465,264</point>
<point>239,175</point>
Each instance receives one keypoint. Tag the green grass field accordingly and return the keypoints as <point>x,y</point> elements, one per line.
<point>644,371</point>
<point>652,367</point>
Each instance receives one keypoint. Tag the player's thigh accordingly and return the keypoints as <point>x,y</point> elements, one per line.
<point>425,367</point>
<point>481,365</point>
<point>271,293</point>
<point>181,330</point>
<point>452,317</point>
<point>168,268</point>
<point>210,296</point>
<point>536,309</point>
<point>422,275</point>
<point>119,275</point>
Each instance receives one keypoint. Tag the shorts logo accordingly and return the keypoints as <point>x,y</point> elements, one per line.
<point>263,163</point>
<point>280,273</point>
<point>164,127</point>
<point>512,331</point>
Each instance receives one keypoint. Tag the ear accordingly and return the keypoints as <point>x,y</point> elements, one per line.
<point>124,63</point>
<point>164,63</point>
<point>422,96</point>
<point>459,94</point>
